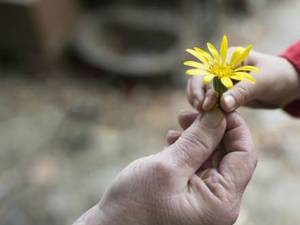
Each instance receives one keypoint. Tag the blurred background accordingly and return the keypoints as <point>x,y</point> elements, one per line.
<point>88,86</point>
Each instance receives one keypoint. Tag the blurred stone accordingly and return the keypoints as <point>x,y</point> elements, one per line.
<point>44,171</point>
<point>290,147</point>
<point>75,140</point>
<point>7,109</point>
<point>84,110</point>
<point>236,6</point>
<point>23,135</point>
<point>15,216</point>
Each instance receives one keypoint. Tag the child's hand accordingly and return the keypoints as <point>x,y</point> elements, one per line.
<point>276,86</point>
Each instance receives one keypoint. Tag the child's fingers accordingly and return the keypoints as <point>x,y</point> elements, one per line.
<point>211,98</point>
<point>196,92</point>
<point>239,95</point>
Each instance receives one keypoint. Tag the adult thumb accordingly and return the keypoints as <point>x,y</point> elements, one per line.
<point>199,141</point>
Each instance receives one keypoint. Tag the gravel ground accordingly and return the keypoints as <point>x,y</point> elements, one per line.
<point>63,137</point>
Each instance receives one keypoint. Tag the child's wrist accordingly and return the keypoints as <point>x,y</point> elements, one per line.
<point>293,77</point>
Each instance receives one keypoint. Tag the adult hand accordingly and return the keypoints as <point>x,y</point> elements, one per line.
<point>198,179</point>
<point>277,85</point>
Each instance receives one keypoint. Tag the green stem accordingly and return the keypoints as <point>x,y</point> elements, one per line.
<point>219,88</point>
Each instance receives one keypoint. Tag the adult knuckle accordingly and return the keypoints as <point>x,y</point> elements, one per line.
<point>183,152</point>
<point>198,140</point>
<point>163,167</point>
<point>193,141</point>
<point>188,145</point>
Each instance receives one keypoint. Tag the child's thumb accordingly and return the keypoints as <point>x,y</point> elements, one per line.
<point>239,95</point>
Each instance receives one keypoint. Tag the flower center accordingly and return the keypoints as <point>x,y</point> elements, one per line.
<point>220,70</point>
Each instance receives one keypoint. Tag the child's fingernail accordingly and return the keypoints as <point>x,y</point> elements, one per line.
<point>229,102</point>
<point>205,105</point>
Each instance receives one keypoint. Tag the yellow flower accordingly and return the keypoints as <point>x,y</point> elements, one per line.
<point>216,66</point>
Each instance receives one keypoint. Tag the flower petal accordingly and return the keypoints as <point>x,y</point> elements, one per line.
<point>242,76</point>
<point>242,56</point>
<point>227,82</point>
<point>248,68</point>
<point>205,54</point>
<point>213,51</point>
<point>198,55</point>
<point>208,78</point>
<point>196,72</point>
<point>235,55</point>
<point>224,49</point>
<point>195,64</point>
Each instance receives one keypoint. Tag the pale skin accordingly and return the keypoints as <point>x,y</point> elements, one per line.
<point>198,179</point>
<point>277,85</point>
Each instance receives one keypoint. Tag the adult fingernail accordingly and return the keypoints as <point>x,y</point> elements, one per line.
<point>213,118</point>
<point>229,102</point>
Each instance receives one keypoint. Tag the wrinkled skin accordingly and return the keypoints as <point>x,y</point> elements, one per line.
<point>198,179</point>
<point>277,85</point>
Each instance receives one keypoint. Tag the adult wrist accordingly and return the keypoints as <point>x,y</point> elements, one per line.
<point>99,215</point>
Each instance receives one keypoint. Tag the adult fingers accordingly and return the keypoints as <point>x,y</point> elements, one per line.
<point>186,118</point>
<point>198,142</point>
<point>238,165</point>
<point>173,136</point>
